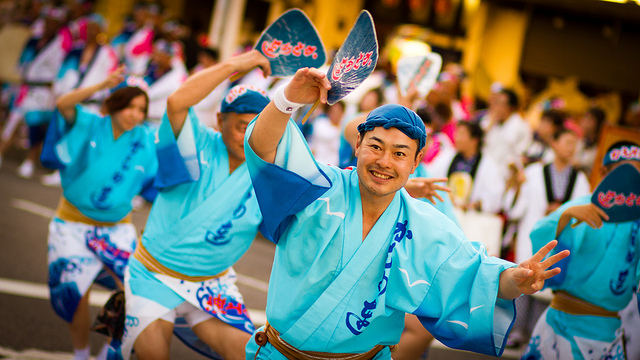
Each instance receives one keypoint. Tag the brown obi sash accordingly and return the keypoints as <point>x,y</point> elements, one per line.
<point>68,212</point>
<point>272,336</point>
<point>570,304</point>
<point>153,265</point>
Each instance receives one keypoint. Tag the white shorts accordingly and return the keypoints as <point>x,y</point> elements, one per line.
<point>190,313</point>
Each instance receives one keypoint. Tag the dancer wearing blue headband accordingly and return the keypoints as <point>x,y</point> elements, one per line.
<point>597,282</point>
<point>355,252</point>
<point>204,219</point>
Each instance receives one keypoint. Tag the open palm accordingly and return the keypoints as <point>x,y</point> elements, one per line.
<point>530,275</point>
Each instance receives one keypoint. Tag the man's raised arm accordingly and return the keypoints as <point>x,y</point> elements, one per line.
<point>200,84</point>
<point>306,87</point>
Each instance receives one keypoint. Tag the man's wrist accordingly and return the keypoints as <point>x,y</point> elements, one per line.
<point>282,103</point>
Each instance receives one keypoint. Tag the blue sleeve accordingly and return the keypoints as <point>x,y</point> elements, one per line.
<point>637,285</point>
<point>457,301</point>
<point>289,185</point>
<point>55,130</point>
<point>64,142</point>
<point>178,158</point>
<point>570,238</point>
<point>149,191</point>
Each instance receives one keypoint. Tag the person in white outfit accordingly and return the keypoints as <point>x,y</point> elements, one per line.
<point>507,135</point>
<point>325,138</point>
<point>475,179</point>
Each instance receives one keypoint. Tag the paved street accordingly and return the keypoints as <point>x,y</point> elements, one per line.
<point>29,329</point>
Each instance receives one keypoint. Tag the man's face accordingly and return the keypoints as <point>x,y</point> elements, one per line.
<point>499,107</point>
<point>565,146</point>
<point>588,123</point>
<point>161,58</point>
<point>232,128</point>
<point>546,129</point>
<point>463,140</point>
<point>386,158</point>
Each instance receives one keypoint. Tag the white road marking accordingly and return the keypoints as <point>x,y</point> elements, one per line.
<point>253,282</point>
<point>97,297</point>
<point>33,354</point>
<point>41,291</point>
<point>33,208</point>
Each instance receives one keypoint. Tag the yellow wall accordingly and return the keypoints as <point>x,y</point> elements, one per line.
<point>327,14</point>
<point>114,11</point>
<point>494,47</point>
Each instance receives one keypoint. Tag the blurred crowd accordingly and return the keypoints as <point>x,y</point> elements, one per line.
<point>67,48</point>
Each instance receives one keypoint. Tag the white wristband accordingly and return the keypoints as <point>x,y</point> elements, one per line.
<point>282,103</point>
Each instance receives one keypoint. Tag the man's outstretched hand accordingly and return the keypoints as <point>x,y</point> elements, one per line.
<point>530,275</point>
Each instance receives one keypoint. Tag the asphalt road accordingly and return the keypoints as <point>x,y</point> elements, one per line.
<point>27,320</point>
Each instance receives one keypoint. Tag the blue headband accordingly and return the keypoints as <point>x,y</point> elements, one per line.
<point>399,117</point>
<point>244,99</point>
<point>621,152</point>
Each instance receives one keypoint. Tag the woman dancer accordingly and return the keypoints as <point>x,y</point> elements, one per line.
<point>104,161</point>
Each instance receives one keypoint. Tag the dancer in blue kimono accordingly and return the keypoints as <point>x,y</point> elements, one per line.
<point>597,282</point>
<point>205,218</point>
<point>104,161</point>
<point>355,252</point>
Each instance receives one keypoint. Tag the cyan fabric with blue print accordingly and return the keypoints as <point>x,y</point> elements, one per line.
<point>204,219</point>
<point>100,175</point>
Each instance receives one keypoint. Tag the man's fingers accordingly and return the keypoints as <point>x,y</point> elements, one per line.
<point>595,220</point>
<point>434,180</point>
<point>551,273</point>
<point>300,74</point>
<point>602,213</point>
<point>442,188</point>
<point>266,69</point>
<point>555,258</point>
<point>537,257</point>
<point>439,197</point>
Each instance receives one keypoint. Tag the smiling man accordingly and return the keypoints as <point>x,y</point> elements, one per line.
<point>355,251</point>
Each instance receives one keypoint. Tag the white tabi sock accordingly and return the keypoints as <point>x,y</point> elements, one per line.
<point>81,354</point>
